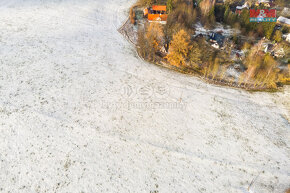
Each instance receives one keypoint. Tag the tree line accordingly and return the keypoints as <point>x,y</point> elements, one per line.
<point>175,43</point>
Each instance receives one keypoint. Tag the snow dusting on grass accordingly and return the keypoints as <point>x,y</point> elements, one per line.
<point>80,112</point>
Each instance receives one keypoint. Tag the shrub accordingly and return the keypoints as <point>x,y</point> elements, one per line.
<point>278,36</point>
<point>146,2</point>
<point>150,41</point>
<point>183,14</point>
<point>132,15</point>
<point>195,55</point>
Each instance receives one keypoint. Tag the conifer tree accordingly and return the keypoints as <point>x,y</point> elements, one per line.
<point>278,36</point>
<point>169,6</point>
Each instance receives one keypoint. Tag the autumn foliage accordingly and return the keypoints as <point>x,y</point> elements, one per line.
<point>132,15</point>
<point>260,67</point>
<point>236,61</point>
<point>150,41</point>
<point>179,48</point>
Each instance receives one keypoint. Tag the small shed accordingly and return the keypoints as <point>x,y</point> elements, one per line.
<point>240,8</point>
<point>283,21</point>
<point>156,13</point>
<point>217,39</point>
<point>287,37</point>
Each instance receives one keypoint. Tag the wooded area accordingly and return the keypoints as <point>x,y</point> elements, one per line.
<point>176,43</point>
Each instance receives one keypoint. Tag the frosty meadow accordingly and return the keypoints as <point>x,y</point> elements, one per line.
<point>61,59</point>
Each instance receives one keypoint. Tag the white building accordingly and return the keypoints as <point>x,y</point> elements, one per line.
<point>287,37</point>
<point>283,20</point>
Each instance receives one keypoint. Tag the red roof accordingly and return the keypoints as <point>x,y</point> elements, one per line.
<point>159,7</point>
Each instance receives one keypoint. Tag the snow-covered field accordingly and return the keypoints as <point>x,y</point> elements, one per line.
<point>80,112</point>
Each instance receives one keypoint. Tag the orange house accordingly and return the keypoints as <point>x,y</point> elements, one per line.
<point>156,13</point>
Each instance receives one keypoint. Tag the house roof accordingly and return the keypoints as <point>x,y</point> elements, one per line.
<point>284,20</point>
<point>217,37</point>
<point>269,48</point>
<point>159,7</point>
<point>264,1</point>
<point>288,37</point>
<point>243,6</point>
<point>286,11</point>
